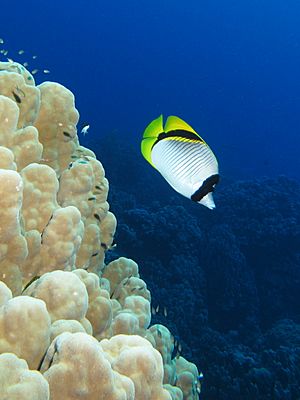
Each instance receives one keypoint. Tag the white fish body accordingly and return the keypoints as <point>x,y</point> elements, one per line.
<point>183,159</point>
<point>85,129</point>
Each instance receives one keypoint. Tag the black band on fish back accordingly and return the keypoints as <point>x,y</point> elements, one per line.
<point>179,133</point>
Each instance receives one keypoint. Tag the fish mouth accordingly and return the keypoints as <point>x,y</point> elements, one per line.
<point>207,187</point>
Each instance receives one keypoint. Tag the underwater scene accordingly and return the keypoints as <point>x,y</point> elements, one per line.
<point>150,200</point>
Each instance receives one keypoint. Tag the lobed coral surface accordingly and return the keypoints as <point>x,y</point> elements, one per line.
<point>71,326</point>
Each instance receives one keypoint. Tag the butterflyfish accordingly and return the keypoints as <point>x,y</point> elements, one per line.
<point>183,158</point>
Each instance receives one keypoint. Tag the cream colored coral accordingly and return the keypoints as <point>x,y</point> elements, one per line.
<point>100,309</point>
<point>18,68</point>
<point>133,319</point>
<point>13,247</point>
<point>78,360</point>
<point>17,382</point>
<point>56,123</point>
<point>39,196</point>
<point>125,322</point>
<point>83,185</point>
<point>17,84</point>
<point>108,228</point>
<point>25,329</point>
<point>54,216</point>
<point>38,206</point>
<point>164,343</point>
<point>118,270</point>
<point>7,159</point>
<point>65,325</point>
<point>23,142</point>
<point>174,391</point>
<point>131,286</point>
<point>187,378</point>
<point>63,292</point>
<point>141,307</point>
<point>5,294</point>
<point>61,239</point>
<point>135,357</point>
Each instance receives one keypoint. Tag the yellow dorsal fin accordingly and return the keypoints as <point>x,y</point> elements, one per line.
<point>146,148</point>
<point>154,128</point>
<point>175,123</point>
<point>150,136</point>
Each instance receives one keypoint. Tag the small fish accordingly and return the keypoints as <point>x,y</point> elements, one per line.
<point>183,158</point>
<point>17,98</point>
<point>98,218</point>
<point>113,246</point>
<point>25,64</point>
<point>2,51</point>
<point>34,57</point>
<point>165,312</point>
<point>127,280</point>
<point>6,52</point>
<point>34,71</point>
<point>30,282</point>
<point>46,71</point>
<point>1,41</point>
<point>21,52</point>
<point>157,309</point>
<point>10,59</point>
<point>85,129</point>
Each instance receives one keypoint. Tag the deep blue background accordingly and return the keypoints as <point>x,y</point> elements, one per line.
<point>231,69</point>
<point>229,278</point>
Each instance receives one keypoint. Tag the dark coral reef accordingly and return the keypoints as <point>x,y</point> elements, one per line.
<point>229,279</point>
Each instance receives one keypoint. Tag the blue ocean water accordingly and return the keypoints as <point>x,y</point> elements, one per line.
<point>231,70</point>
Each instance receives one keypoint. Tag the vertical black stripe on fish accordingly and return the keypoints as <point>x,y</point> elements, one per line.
<point>206,187</point>
<point>17,98</point>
